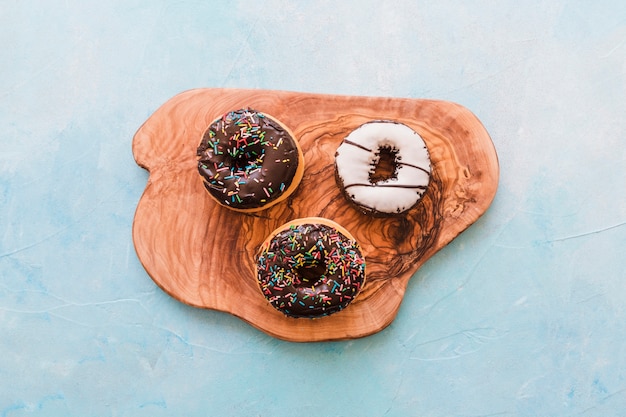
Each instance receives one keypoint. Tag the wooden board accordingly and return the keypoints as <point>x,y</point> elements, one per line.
<point>204,255</point>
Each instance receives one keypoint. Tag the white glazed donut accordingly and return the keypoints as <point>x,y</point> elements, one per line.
<point>359,154</point>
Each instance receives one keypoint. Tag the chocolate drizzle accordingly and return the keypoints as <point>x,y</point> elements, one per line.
<point>417,187</point>
<point>246,159</point>
<point>310,270</point>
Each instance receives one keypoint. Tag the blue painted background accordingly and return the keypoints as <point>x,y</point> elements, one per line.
<point>523,315</point>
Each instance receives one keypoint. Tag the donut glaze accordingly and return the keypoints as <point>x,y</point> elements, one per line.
<point>248,161</point>
<point>310,268</point>
<point>357,158</point>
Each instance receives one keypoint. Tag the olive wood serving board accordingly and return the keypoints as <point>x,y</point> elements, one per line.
<point>204,255</point>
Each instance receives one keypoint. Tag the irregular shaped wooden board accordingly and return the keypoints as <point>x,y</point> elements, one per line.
<point>204,255</point>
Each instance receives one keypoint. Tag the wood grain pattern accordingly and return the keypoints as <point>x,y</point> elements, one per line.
<point>204,255</point>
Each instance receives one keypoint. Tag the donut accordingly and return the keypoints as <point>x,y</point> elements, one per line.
<point>383,168</point>
<point>248,161</point>
<point>310,267</point>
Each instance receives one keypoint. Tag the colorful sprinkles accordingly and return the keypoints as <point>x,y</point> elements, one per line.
<point>247,159</point>
<point>310,270</point>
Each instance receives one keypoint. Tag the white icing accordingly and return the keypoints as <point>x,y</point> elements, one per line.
<point>357,157</point>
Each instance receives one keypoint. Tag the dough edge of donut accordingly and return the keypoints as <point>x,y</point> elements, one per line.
<point>305,220</point>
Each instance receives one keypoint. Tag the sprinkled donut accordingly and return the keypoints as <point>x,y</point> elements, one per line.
<point>249,161</point>
<point>383,167</point>
<point>310,267</point>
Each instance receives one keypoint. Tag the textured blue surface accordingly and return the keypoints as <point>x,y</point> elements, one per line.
<point>522,315</point>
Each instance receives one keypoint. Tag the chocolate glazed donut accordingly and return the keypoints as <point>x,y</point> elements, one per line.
<point>248,161</point>
<point>310,267</point>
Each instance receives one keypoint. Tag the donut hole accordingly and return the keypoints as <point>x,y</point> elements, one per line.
<point>311,273</point>
<point>239,163</point>
<point>385,165</point>
<point>243,161</point>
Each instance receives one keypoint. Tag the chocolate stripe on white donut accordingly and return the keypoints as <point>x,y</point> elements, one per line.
<point>421,187</point>
<point>400,163</point>
<point>357,145</point>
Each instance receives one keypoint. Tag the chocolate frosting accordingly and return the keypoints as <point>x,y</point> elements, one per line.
<point>246,159</point>
<point>310,270</point>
